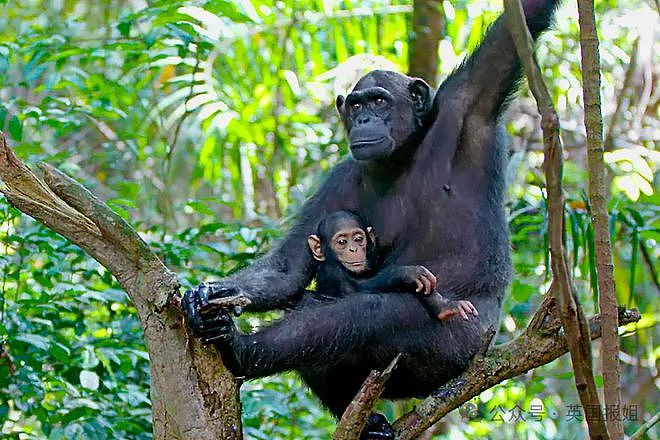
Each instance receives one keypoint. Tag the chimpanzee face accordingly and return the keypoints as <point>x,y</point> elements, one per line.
<point>350,248</point>
<point>343,239</point>
<point>382,113</point>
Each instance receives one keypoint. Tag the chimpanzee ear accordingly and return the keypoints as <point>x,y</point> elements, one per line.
<point>340,102</point>
<point>315,246</point>
<point>372,234</point>
<point>420,93</point>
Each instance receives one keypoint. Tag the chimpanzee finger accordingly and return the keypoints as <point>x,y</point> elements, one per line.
<point>461,311</point>
<point>190,307</point>
<point>420,286</point>
<point>203,291</point>
<point>427,284</point>
<point>473,309</point>
<point>428,274</point>
<point>217,290</point>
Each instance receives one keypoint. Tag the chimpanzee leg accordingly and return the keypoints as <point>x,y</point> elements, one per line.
<point>361,330</point>
<point>335,344</point>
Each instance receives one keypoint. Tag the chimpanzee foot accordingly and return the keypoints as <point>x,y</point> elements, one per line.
<point>377,428</point>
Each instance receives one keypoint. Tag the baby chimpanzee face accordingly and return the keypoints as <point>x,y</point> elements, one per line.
<point>343,239</point>
<point>350,247</point>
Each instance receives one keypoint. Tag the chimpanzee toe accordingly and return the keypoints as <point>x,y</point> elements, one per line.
<point>377,428</point>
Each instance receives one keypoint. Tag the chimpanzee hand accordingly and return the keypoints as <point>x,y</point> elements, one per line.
<point>460,307</point>
<point>419,276</point>
<point>206,322</point>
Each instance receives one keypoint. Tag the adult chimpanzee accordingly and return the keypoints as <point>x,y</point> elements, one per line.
<point>427,173</point>
<point>347,250</point>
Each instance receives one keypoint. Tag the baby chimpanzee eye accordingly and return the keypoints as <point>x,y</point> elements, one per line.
<point>342,241</point>
<point>359,238</point>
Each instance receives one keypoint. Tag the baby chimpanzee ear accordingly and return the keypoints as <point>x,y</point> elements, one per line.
<point>372,234</point>
<point>315,246</point>
<point>339,102</point>
<point>420,92</point>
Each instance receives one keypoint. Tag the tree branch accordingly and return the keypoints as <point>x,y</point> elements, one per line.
<point>355,417</point>
<point>542,342</point>
<point>593,121</point>
<point>572,317</point>
<point>193,396</point>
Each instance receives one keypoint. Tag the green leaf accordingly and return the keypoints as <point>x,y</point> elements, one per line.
<point>34,340</point>
<point>60,352</point>
<point>124,27</point>
<point>598,379</point>
<point>200,208</point>
<point>634,248</point>
<point>16,128</point>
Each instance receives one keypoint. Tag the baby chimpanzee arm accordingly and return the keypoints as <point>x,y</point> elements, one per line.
<point>406,278</point>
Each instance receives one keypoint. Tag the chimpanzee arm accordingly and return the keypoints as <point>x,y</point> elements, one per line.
<point>279,278</point>
<point>482,84</point>
<point>399,278</point>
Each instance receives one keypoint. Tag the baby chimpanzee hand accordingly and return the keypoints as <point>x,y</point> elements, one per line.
<point>419,276</point>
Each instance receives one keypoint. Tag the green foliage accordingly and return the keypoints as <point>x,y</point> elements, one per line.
<point>206,121</point>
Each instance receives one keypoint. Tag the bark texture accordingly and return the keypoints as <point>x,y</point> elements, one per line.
<point>593,121</point>
<point>193,396</point>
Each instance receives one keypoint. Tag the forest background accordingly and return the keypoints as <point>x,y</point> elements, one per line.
<point>207,123</point>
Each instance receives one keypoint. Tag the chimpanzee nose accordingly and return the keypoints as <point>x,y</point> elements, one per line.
<point>362,119</point>
<point>352,249</point>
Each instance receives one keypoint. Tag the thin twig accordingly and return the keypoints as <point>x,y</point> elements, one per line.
<point>4,354</point>
<point>227,302</point>
<point>646,427</point>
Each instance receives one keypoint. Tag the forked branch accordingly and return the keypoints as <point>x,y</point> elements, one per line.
<point>542,342</point>
<point>193,396</point>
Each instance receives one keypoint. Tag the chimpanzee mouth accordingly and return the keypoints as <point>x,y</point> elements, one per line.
<point>368,149</point>
<point>367,142</point>
<point>354,264</point>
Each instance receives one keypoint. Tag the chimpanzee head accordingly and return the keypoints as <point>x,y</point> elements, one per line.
<point>383,112</point>
<point>343,238</point>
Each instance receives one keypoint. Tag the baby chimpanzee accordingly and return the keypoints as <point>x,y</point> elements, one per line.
<point>350,259</point>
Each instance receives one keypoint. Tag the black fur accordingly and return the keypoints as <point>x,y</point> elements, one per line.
<point>435,197</point>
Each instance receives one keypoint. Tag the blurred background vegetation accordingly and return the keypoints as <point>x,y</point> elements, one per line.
<point>207,122</point>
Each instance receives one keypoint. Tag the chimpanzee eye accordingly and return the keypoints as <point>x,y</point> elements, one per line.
<point>380,101</point>
<point>359,238</point>
<point>356,105</point>
<point>342,241</point>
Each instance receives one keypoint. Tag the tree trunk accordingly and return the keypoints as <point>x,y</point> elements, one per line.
<point>193,396</point>
<point>427,29</point>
